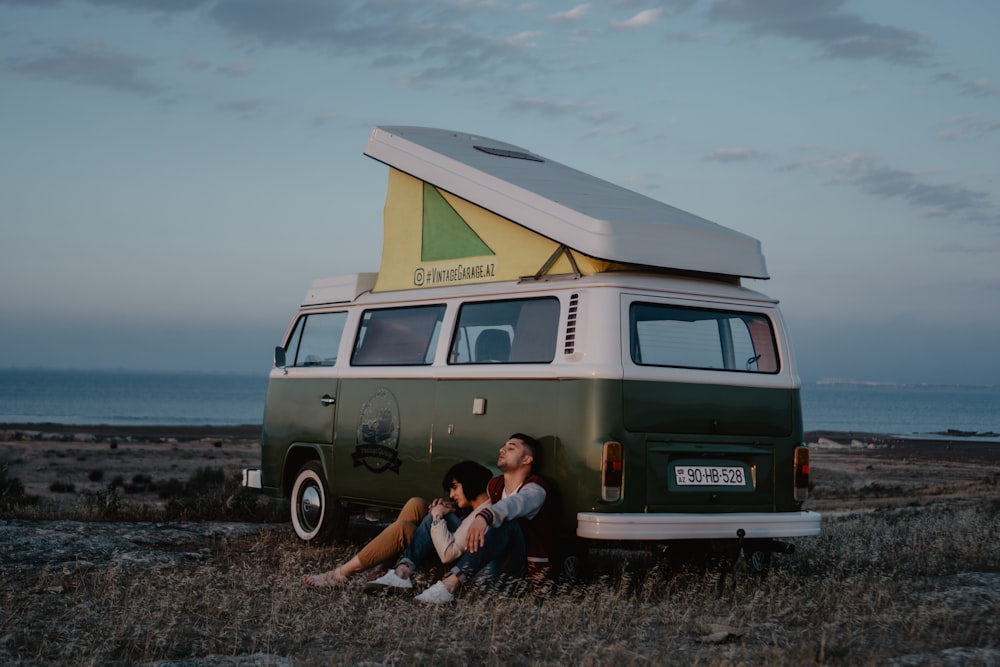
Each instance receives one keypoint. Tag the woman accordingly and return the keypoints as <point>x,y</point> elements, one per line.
<point>419,530</point>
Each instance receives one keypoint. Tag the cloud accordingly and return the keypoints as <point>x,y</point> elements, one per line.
<point>631,128</point>
<point>643,19</point>
<point>159,6</point>
<point>741,154</point>
<point>822,23</point>
<point>287,22</point>
<point>551,109</point>
<point>474,5</point>
<point>429,38</point>
<point>235,69</point>
<point>245,107</point>
<point>586,111</point>
<point>92,65</point>
<point>969,124</point>
<point>972,88</point>
<point>522,40</point>
<point>932,200</point>
<point>322,119</point>
<point>197,64</point>
<point>31,3</point>
<point>575,15</point>
<point>980,88</point>
<point>688,37</point>
<point>394,60</point>
<point>674,6</point>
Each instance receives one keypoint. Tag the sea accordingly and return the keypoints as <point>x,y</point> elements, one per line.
<point>122,398</point>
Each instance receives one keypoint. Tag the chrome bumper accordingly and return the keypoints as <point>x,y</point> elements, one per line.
<point>251,478</point>
<point>755,525</point>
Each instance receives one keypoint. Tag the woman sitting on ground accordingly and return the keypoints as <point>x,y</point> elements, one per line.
<point>418,531</point>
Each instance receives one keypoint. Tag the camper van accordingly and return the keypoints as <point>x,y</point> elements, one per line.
<point>516,294</point>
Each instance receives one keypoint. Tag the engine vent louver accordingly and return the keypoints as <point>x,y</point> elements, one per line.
<point>570,343</point>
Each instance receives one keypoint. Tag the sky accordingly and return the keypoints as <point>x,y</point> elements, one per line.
<point>175,173</point>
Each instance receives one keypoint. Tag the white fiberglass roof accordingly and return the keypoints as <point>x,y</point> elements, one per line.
<point>581,211</point>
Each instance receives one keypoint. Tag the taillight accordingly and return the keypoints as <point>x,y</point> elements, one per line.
<point>611,472</point>
<point>801,473</point>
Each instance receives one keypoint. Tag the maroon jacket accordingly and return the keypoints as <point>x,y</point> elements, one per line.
<point>539,531</point>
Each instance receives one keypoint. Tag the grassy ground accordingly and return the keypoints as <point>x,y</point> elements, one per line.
<point>912,579</point>
<point>907,585</point>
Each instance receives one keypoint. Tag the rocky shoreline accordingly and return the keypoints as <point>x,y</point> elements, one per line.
<point>49,432</point>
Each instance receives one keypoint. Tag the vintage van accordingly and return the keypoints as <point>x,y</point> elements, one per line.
<point>518,294</point>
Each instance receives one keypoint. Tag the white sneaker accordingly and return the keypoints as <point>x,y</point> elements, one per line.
<point>388,580</point>
<point>436,594</point>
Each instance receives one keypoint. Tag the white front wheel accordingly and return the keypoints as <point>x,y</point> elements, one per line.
<point>312,507</point>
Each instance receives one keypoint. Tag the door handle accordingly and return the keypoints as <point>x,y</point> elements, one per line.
<point>327,400</point>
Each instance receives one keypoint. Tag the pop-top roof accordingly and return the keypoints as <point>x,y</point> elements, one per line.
<point>581,211</point>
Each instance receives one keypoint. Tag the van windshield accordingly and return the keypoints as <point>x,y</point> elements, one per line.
<point>663,335</point>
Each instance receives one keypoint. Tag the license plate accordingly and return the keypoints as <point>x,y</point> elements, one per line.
<point>710,476</point>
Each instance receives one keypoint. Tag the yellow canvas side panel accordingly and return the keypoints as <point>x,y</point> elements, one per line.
<point>515,250</point>
<point>402,223</point>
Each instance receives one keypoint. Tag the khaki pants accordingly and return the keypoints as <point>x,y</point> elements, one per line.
<point>390,544</point>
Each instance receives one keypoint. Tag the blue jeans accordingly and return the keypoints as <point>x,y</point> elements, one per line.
<point>421,545</point>
<point>503,554</point>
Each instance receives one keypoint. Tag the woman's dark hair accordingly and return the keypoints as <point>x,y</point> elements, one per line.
<point>472,476</point>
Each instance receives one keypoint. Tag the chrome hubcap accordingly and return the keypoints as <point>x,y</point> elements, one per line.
<point>310,506</point>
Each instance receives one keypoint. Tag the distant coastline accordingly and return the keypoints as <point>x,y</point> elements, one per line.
<point>42,432</point>
<point>888,383</point>
<point>132,432</point>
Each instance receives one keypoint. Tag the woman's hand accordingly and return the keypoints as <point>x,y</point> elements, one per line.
<point>440,507</point>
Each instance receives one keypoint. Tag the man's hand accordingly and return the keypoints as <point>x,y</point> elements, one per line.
<point>475,537</point>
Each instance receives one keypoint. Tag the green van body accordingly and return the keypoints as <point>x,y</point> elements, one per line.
<point>382,434</point>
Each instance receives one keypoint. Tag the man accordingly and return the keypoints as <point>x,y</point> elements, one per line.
<point>516,528</point>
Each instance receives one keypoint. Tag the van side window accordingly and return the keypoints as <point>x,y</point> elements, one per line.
<point>518,331</point>
<point>315,340</point>
<point>398,336</point>
<point>700,338</point>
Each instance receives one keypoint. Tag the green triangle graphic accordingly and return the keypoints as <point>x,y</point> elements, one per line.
<point>445,234</point>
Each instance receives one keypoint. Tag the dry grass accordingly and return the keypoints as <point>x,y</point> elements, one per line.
<point>876,586</point>
<point>907,572</point>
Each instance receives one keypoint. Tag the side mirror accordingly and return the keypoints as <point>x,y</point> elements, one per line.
<point>279,357</point>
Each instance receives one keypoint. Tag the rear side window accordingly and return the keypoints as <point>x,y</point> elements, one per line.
<point>398,336</point>
<point>315,340</point>
<point>516,331</point>
<point>664,335</point>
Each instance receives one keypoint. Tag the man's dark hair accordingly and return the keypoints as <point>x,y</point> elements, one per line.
<point>472,476</point>
<point>533,446</point>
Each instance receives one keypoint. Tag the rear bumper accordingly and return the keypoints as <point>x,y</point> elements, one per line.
<point>756,525</point>
<point>251,478</point>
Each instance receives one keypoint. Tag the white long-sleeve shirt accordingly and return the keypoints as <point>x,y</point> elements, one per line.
<point>523,503</point>
<point>449,545</point>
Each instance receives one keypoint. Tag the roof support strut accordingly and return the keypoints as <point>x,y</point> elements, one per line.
<point>563,249</point>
